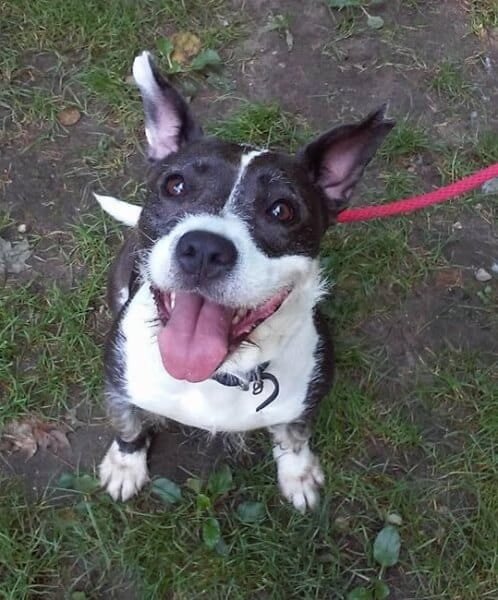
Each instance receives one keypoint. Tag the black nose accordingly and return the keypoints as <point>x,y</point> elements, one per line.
<point>205,254</point>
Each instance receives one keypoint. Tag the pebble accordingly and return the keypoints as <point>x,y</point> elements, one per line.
<point>22,228</point>
<point>494,267</point>
<point>394,519</point>
<point>490,187</point>
<point>482,275</point>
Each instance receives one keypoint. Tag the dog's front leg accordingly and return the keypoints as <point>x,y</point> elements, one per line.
<point>299,472</point>
<point>123,472</point>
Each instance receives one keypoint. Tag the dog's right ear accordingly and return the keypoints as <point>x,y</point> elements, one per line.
<point>168,121</point>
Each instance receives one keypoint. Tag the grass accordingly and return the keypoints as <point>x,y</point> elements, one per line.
<point>89,48</point>
<point>263,125</point>
<point>449,81</point>
<point>483,15</point>
<point>417,441</point>
<point>52,337</point>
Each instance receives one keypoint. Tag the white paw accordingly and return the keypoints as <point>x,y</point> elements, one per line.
<point>299,476</point>
<point>122,474</point>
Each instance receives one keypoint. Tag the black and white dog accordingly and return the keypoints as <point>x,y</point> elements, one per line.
<point>216,289</point>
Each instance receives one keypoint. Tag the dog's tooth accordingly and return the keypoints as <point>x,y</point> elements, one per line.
<point>241,313</point>
<point>235,319</point>
<point>172,300</point>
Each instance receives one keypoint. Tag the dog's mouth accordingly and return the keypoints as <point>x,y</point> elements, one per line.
<point>197,334</point>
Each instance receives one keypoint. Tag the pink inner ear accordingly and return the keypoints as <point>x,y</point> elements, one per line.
<point>342,165</point>
<point>162,133</point>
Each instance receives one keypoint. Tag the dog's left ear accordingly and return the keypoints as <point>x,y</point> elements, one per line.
<point>336,160</point>
<point>168,120</point>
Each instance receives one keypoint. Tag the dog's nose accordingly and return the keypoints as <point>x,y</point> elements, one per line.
<point>205,254</point>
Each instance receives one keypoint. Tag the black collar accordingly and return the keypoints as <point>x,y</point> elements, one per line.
<point>257,377</point>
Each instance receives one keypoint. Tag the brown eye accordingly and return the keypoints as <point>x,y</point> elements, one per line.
<point>282,211</point>
<point>174,185</point>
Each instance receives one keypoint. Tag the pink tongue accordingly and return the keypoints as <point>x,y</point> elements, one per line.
<point>194,341</point>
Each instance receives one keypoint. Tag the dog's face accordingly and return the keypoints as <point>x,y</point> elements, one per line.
<point>229,232</point>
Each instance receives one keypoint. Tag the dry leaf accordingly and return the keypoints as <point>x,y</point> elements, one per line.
<point>32,434</point>
<point>449,278</point>
<point>186,46</point>
<point>69,116</point>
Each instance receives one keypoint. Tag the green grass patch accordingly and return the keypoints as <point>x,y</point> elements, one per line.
<point>405,140</point>
<point>90,48</point>
<point>449,81</point>
<point>483,15</point>
<point>263,125</point>
<point>51,337</point>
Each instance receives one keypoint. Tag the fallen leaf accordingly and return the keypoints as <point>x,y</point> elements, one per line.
<point>220,482</point>
<point>203,502</point>
<point>343,3</point>
<point>251,512</point>
<point>360,593</point>
<point>381,590</point>
<point>206,59</point>
<point>186,46</point>
<point>13,256</point>
<point>375,22</point>
<point>448,278</point>
<point>69,116</point>
<point>211,532</point>
<point>32,434</point>
<point>165,46</point>
<point>168,491</point>
<point>194,484</point>
<point>387,546</point>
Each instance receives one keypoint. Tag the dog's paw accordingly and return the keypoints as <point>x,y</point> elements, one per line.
<point>299,476</point>
<point>123,474</point>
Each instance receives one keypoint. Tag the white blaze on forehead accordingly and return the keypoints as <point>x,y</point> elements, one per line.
<point>245,161</point>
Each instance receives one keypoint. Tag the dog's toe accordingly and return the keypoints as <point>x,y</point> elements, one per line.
<point>300,477</point>
<point>123,474</point>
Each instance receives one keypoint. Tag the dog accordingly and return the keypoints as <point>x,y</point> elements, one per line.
<point>216,289</point>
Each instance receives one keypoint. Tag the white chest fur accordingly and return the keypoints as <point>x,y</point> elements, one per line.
<point>209,405</point>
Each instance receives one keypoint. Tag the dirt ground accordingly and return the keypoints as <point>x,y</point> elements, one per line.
<point>333,70</point>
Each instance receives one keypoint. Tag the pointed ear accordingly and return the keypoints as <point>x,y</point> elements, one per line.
<point>336,160</point>
<point>168,121</point>
<point>124,212</point>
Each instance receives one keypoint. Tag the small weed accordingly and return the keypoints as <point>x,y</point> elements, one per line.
<point>471,155</point>
<point>404,140</point>
<point>483,15</point>
<point>448,81</point>
<point>263,125</point>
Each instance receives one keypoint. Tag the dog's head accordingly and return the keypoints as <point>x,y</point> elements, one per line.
<point>230,233</point>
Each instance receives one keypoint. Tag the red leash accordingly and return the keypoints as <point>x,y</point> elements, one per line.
<point>366,213</point>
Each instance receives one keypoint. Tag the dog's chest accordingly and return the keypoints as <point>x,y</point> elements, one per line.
<point>210,405</point>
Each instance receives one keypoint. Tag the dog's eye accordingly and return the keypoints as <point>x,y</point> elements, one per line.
<point>282,211</point>
<point>174,185</point>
